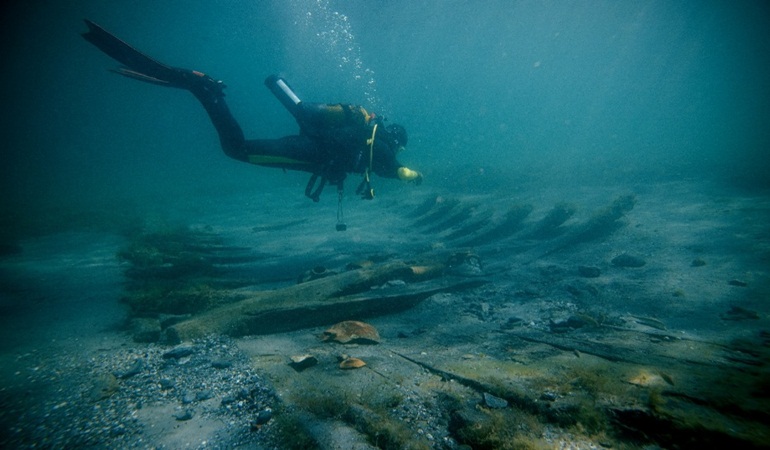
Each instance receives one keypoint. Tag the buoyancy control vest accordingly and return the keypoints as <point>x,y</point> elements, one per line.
<point>333,125</point>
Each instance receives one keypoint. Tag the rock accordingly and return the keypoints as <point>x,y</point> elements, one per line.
<point>589,271</point>
<point>626,260</point>
<point>184,415</point>
<point>352,331</point>
<point>204,395</point>
<point>264,416</point>
<point>738,283</point>
<point>188,397</point>
<point>179,351</point>
<point>221,364</point>
<point>134,369</point>
<point>302,362</point>
<point>490,401</point>
<point>697,262</point>
<point>104,386</point>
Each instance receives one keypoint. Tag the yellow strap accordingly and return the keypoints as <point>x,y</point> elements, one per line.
<point>371,151</point>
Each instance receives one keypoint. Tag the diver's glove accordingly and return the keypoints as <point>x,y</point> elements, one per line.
<point>412,176</point>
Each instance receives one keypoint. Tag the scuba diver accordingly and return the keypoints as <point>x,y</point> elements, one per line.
<point>334,139</point>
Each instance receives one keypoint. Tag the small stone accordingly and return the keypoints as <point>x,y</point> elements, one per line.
<point>184,415</point>
<point>166,383</point>
<point>104,386</point>
<point>179,352</point>
<point>221,364</point>
<point>697,262</point>
<point>264,416</point>
<point>204,395</point>
<point>134,369</point>
<point>494,402</point>
<point>188,397</point>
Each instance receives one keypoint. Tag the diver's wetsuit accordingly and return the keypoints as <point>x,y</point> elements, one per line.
<point>334,140</point>
<point>327,150</point>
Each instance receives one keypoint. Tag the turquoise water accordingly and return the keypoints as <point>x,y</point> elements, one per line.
<point>568,91</point>
<point>536,106</point>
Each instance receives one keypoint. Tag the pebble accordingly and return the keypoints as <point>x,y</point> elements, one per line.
<point>134,369</point>
<point>188,397</point>
<point>187,414</point>
<point>74,419</point>
<point>264,416</point>
<point>179,352</point>
<point>221,364</point>
<point>204,395</point>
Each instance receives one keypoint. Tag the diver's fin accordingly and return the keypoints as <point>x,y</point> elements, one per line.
<point>139,66</point>
<point>136,61</point>
<point>126,72</point>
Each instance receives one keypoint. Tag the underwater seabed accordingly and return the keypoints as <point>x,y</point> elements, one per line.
<point>599,317</point>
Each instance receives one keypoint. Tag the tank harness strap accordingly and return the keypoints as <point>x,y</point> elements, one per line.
<point>365,188</point>
<point>315,194</point>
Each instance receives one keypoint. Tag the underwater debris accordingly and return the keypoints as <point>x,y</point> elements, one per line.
<point>425,206</point>
<point>302,362</point>
<point>508,226</point>
<point>453,219</point>
<point>349,363</point>
<point>480,220</point>
<point>439,211</point>
<point>551,225</point>
<point>351,332</point>
<point>603,223</point>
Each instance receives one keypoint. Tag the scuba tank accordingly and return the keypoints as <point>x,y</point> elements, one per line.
<point>285,94</point>
<point>315,118</point>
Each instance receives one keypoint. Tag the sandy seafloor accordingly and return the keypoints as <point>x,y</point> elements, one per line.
<point>72,377</point>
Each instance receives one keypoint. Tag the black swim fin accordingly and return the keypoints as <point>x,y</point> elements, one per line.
<point>139,66</point>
